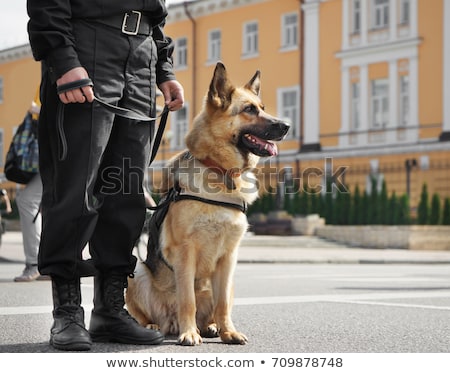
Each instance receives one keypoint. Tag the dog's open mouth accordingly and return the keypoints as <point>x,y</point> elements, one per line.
<point>258,146</point>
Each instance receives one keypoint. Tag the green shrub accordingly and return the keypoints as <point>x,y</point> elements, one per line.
<point>423,213</point>
<point>435,215</point>
<point>446,212</point>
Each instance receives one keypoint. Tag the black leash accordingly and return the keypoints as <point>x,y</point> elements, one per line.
<point>123,112</point>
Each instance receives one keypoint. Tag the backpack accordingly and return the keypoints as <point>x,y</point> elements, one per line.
<point>22,159</point>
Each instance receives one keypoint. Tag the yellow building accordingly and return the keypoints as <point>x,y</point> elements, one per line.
<point>370,96</point>
<point>365,83</point>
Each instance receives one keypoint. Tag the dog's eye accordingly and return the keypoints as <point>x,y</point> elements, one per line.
<point>251,109</point>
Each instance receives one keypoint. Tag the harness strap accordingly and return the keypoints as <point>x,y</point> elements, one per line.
<point>241,207</point>
<point>123,112</point>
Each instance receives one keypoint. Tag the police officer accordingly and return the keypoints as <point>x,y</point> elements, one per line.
<point>92,161</point>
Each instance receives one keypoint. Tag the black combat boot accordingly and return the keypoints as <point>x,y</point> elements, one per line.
<point>110,321</point>
<point>68,331</point>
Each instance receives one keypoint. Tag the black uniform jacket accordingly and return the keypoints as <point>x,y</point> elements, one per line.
<point>51,38</point>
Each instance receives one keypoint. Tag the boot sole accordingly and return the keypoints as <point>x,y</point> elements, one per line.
<point>108,338</point>
<point>76,346</point>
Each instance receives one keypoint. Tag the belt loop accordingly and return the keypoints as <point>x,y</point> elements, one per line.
<point>135,14</point>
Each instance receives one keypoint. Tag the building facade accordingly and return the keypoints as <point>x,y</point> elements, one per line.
<point>364,83</point>
<point>381,67</point>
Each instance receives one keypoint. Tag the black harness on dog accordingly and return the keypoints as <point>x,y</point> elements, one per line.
<point>155,256</point>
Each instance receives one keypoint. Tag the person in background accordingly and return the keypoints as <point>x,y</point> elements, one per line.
<point>7,210</point>
<point>28,202</point>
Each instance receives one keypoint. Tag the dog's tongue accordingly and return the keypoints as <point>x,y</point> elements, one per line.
<point>270,147</point>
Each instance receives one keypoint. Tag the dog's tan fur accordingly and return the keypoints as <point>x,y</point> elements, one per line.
<point>199,240</point>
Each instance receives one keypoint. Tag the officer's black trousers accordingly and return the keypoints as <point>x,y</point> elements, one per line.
<point>94,194</point>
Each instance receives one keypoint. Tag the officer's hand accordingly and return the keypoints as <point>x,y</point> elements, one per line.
<point>77,95</point>
<point>173,94</point>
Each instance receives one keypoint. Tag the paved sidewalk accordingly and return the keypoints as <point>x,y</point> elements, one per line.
<point>289,249</point>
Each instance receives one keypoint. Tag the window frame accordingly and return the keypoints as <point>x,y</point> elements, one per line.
<point>380,14</point>
<point>379,104</point>
<point>250,40</point>
<point>290,113</point>
<point>214,45</point>
<point>179,128</point>
<point>181,57</point>
<point>289,31</point>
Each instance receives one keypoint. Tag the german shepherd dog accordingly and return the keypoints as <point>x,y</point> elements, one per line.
<point>189,291</point>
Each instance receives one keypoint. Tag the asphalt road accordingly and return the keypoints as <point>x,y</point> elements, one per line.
<point>282,308</point>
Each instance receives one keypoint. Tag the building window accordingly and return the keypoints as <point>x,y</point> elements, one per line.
<point>380,104</point>
<point>289,109</point>
<point>380,14</point>
<point>404,12</point>
<point>355,118</point>
<point>250,39</point>
<point>179,128</point>
<point>289,30</point>
<point>214,45</point>
<point>181,53</point>
<point>404,101</point>
<point>356,27</point>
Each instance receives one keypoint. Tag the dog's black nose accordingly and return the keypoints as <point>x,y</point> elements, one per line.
<point>283,127</point>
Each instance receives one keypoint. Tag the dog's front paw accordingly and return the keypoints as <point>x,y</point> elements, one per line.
<point>190,339</point>
<point>233,338</point>
<point>210,331</point>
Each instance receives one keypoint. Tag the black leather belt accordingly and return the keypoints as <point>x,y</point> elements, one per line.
<point>130,23</point>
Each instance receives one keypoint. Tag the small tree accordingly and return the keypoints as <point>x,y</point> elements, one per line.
<point>355,207</point>
<point>446,212</point>
<point>393,210</point>
<point>304,202</point>
<point>383,204</point>
<point>295,209</point>
<point>435,215</point>
<point>423,213</point>
<point>314,198</point>
<point>373,208</point>
<point>364,209</point>
<point>403,212</point>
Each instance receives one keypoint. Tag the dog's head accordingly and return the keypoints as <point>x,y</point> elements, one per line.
<point>233,129</point>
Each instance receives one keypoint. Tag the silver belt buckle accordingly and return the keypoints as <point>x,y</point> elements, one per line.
<point>125,25</point>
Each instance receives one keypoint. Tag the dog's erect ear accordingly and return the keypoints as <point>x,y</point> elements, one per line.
<point>220,89</point>
<point>254,84</point>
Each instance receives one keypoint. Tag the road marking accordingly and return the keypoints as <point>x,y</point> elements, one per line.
<point>378,299</point>
<point>406,305</point>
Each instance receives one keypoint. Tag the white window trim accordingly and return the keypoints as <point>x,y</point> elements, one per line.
<point>353,17</point>
<point>383,8</point>
<point>178,65</point>
<point>245,52</point>
<point>177,139</point>
<point>402,20</point>
<point>355,111</point>
<point>295,126</point>
<point>381,100</point>
<point>284,44</point>
<point>404,95</point>
<point>213,59</point>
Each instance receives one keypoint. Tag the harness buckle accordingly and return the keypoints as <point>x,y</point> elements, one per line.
<point>135,16</point>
